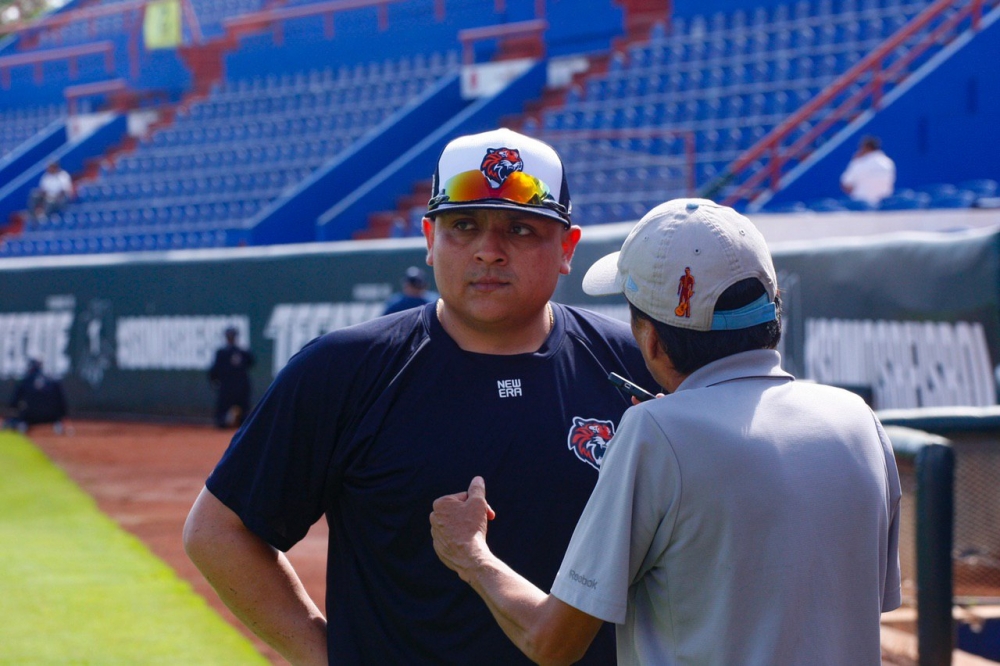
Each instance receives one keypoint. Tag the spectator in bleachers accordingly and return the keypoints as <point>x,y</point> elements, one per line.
<point>871,174</point>
<point>414,293</point>
<point>54,192</point>
<point>37,399</point>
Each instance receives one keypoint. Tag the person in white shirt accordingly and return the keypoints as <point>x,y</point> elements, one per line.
<point>745,518</point>
<point>871,174</point>
<point>55,189</point>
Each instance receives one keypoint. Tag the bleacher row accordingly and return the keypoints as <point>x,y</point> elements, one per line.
<point>54,243</point>
<point>19,125</point>
<point>227,157</point>
<point>979,193</point>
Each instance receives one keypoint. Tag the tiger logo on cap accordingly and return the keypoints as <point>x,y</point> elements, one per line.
<point>499,163</point>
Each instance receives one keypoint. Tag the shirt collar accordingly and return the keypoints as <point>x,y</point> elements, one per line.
<point>759,364</point>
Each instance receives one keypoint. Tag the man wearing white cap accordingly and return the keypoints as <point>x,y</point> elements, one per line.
<point>368,425</point>
<point>745,518</point>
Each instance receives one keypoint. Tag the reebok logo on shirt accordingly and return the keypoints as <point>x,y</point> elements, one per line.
<point>509,388</point>
<point>582,580</point>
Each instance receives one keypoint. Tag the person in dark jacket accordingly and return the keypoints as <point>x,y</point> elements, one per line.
<point>37,399</point>
<point>413,294</point>
<point>230,377</point>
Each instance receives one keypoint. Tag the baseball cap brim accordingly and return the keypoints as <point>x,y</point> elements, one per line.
<point>602,278</point>
<point>498,204</point>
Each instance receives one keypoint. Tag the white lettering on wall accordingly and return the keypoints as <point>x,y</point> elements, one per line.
<point>174,343</point>
<point>906,363</point>
<point>292,325</point>
<point>39,335</point>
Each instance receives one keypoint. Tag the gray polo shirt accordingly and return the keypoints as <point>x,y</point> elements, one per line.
<point>744,519</point>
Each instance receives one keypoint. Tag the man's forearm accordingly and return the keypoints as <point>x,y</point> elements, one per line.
<point>515,603</point>
<point>544,628</point>
<point>256,582</point>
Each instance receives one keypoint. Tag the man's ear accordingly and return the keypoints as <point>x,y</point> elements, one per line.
<point>427,224</point>
<point>648,341</point>
<point>571,237</point>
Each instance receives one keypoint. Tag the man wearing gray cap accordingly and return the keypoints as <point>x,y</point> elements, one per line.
<point>743,518</point>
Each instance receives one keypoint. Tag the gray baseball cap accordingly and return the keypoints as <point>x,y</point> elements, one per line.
<point>680,257</point>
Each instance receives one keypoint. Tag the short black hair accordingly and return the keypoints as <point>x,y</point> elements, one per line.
<point>690,350</point>
<point>870,142</point>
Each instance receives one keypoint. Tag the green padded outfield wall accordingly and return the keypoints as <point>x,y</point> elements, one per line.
<point>910,318</point>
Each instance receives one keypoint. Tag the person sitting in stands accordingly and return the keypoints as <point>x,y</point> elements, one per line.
<point>54,191</point>
<point>871,174</point>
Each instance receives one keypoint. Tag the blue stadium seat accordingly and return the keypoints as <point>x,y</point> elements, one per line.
<point>939,190</point>
<point>983,187</point>
<point>826,205</point>
<point>955,199</point>
<point>905,199</point>
<point>855,205</point>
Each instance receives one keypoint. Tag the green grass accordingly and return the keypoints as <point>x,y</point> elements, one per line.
<point>77,589</point>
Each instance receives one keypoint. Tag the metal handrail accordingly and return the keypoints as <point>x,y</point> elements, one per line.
<point>281,14</point>
<point>63,53</point>
<point>871,64</point>
<point>70,53</point>
<point>469,36</point>
<point>73,93</point>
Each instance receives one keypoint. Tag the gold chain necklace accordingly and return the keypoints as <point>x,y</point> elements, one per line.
<point>548,307</point>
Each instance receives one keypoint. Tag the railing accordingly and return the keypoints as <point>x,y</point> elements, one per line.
<point>70,53</point>
<point>275,17</point>
<point>871,67</point>
<point>470,36</point>
<point>74,93</point>
<point>500,6</point>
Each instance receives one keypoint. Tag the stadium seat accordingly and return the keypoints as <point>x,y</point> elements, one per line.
<point>905,199</point>
<point>826,205</point>
<point>956,199</point>
<point>983,187</point>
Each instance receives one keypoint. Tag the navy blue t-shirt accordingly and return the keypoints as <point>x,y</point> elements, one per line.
<point>370,424</point>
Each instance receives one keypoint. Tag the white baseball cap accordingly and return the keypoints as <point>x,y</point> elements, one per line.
<point>680,257</point>
<point>500,169</point>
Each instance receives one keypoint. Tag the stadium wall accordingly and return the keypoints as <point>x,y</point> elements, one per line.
<point>909,319</point>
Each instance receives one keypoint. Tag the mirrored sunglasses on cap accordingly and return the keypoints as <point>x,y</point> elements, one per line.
<point>471,187</point>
